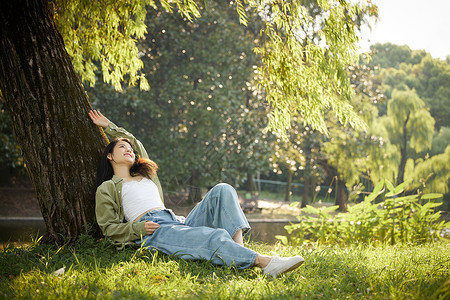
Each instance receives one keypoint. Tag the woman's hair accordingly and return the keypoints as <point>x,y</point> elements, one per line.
<point>141,166</point>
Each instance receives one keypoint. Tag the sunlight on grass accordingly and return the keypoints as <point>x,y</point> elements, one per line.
<point>92,269</point>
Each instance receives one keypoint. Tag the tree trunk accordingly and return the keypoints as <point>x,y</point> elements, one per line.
<point>403,154</point>
<point>341,195</point>
<point>306,191</point>
<point>48,107</point>
<point>250,185</point>
<point>287,195</point>
<point>308,169</point>
<point>195,193</point>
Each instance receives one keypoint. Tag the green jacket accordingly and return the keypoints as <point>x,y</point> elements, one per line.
<point>108,200</point>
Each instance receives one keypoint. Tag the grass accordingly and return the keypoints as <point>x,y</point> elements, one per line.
<point>96,270</point>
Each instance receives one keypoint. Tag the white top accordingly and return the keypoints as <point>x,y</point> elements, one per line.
<point>139,197</point>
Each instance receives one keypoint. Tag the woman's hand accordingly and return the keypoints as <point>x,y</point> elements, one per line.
<point>99,119</point>
<point>150,227</point>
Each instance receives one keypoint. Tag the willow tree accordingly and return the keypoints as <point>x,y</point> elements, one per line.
<point>432,175</point>
<point>352,155</point>
<point>409,126</point>
<point>45,46</point>
<point>305,56</point>
<point>305,73</point>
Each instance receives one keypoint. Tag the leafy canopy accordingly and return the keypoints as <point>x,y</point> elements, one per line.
<point>304,53</point>
<point>306,50</point>
<point>406,111</point>
<point>106,32</point>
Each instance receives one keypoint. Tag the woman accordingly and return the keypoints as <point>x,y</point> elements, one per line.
<point>130,208</point>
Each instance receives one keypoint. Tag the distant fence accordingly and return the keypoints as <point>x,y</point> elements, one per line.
<point>275,190</point>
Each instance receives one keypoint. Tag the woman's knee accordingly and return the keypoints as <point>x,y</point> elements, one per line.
<point>224,188</point>
<point>226,193</point>
<point>221,195</point>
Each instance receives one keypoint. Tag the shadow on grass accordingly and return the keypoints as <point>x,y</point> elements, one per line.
<point>96,269</point>
<point>93,255</point>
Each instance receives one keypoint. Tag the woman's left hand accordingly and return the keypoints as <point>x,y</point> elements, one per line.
<point>150,227</point>
<point>99,119</point>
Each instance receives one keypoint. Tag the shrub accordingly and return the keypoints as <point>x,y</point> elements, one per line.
<point>383,217</point>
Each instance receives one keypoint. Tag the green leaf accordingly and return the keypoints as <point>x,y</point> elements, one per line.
<point>389,185</point>
<point>282,238</point>
<point>376,191</point>
<point>431,196</point>
<point>294,204</point>
<point>378,188</point>
<point>398,189</point>
<point>429,205</point>
<point>311,210</point>
<point>241,12</point>
<point>330,208</point>
<point>325,215</point>
<point>406,198</point>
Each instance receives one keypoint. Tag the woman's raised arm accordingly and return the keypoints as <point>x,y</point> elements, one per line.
<point>113,131</point>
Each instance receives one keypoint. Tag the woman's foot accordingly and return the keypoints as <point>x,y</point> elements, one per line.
<point>279,265</point>
<point>262,261</point>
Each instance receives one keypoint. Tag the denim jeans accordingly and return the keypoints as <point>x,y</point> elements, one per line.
<point>206,233</point>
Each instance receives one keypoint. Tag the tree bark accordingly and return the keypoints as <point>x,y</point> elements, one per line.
<point>48,107</point>
<point>250,185</point>
<point>195,193</point>
<point>306,192</point>
<point>403,154</point>
<point>341,195</point>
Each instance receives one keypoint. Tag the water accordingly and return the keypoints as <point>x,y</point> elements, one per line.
<point>265,230</point>
<point>24,229</point>
<point>21,229</point>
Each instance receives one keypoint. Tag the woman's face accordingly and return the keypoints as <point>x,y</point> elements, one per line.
<point>122,154</point>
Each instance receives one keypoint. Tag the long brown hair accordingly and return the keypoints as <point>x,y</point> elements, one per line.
<point>141,166</point>
<point>144,167</point>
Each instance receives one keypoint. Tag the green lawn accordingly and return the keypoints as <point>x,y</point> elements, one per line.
<point>97,270</point>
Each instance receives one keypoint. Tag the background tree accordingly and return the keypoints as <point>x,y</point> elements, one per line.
<point>433,76</point>
<point>440,141</point>
<point>296,156</point>
<point>351,155</point>
<point>427,77</point>
<point>389,55</point>
<point>400,67</point>
<point>408,124</point>
<point>11,161</point>
<point>289,81</point>
<point>431,175</point>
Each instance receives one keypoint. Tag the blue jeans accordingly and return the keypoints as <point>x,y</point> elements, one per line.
<point>206,233</point>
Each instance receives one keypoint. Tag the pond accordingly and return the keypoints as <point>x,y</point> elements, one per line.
<point>16,229</point>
